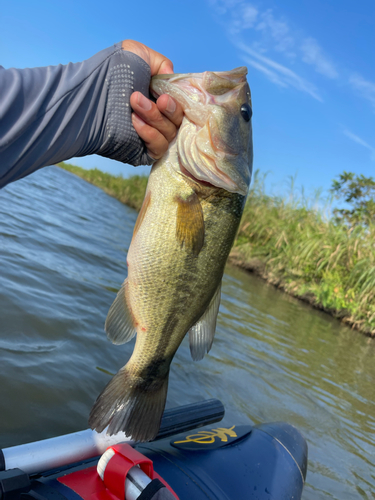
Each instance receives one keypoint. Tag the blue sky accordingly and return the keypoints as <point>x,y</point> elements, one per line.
<point>311,68</point>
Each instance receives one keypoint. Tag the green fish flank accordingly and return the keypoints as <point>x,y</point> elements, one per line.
<point>184,233</point>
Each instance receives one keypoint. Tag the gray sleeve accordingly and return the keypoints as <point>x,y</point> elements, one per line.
<point>51,114</point>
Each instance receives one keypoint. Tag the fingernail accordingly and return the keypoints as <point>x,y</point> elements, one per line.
<point>143,102</point>
<point>171,105</point>
<point>137,120</point>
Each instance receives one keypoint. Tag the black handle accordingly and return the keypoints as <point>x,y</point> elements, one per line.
<point>185,418</point>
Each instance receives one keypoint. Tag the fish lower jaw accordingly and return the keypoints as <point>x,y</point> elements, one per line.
<point>199,163</point>
<point>189,175</point>
<point>217,183</point>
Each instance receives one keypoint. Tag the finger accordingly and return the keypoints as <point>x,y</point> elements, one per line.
<point>150,113</point>
<point>158,63</point>
<point>171,109</point>
<point>165,68</point>
<point>155,142</point>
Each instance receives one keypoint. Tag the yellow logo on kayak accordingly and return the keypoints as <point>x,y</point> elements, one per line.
<point>208,437</point>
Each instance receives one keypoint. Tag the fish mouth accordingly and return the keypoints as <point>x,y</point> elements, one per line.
<point>193,88</point>
<point>204,153</point>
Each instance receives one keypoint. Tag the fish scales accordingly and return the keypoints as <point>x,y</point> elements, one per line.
<point>182,238</point>
<point>189,280</point>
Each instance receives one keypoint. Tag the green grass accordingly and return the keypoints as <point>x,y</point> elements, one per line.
<point>129,191</point>
<point>292,245</point>
<point>297,248</point>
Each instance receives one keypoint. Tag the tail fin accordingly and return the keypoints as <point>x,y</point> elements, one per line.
<point>130,405</point>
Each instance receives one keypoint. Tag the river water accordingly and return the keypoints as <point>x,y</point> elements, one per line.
<point>63,246</point>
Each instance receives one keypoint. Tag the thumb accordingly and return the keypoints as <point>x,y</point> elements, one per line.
<point>159,64</point>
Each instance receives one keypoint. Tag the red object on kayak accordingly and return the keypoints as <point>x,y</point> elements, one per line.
<point>88,484</point>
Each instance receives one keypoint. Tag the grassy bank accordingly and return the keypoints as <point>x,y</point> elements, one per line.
<point>129,191</point>
<point>326,263</point>
<point>291,245</point>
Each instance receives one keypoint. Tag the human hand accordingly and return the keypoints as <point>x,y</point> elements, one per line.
<point>155,123</point>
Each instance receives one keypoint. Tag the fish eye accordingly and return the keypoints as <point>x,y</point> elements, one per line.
<point>246,112</point>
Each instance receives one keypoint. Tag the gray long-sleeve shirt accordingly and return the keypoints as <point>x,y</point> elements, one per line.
<point>51,114</point>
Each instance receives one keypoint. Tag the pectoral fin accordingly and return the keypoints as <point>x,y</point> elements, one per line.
<point>119,325</point>
<point>201,335</point>
<point>190,223</point>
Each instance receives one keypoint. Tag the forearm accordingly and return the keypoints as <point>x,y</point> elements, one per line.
<point>51,114</point>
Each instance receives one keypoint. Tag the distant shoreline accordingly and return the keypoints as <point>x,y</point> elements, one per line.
<point>289,245</point>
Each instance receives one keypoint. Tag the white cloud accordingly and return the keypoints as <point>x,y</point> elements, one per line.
<point>277,73</point>
<point>258,33</point>
<point>271,75</point>
<point>361,142</point>
<point>313,54</point>
<point>275,31</point>
<point>223,6</point>
<point>366,88</point>
<point>243,18</point>
<point>249,16</point>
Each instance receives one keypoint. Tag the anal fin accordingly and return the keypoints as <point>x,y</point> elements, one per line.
<point>201,335</point>
<point>119,324</point>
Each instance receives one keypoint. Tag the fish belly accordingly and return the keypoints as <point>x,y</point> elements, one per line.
<point>170,287</point>
<point>176,259</point>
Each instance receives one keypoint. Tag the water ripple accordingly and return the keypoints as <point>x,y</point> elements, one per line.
<point>63,246</point>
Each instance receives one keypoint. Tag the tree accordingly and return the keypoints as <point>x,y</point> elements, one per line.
<point>359,192</point>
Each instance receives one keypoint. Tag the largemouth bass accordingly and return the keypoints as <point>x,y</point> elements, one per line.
<point>181,241</point>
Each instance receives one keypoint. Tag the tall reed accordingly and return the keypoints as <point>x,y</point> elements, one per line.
<point>328,263</point>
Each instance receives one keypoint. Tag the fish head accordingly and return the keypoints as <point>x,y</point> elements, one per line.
<point>214,142</point>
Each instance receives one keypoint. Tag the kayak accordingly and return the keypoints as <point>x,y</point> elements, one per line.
<point>266,461</point>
